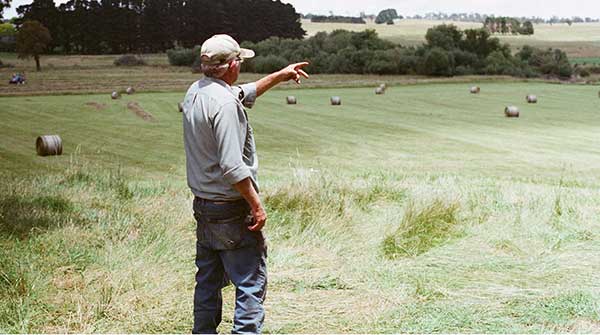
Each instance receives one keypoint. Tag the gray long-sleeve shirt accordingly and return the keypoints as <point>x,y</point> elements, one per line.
<point>218,140</point>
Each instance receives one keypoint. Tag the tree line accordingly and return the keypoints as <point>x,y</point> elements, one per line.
<point>335,19</point>
<point>477,17</point>
<point>448,51</point>
<point>143,26</point>
<point>508,25</point>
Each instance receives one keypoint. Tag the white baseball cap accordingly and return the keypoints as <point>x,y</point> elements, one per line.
<point>222,48</point>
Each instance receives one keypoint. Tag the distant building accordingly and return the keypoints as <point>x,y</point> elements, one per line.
<point>10,39</point>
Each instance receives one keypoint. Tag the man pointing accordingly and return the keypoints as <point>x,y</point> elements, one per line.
<point>222,166</point>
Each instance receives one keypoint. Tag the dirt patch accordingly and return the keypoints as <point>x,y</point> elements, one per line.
<point>139,111</point>
<point>96,105</point>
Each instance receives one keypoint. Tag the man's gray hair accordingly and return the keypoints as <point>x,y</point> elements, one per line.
<point>215,71</point>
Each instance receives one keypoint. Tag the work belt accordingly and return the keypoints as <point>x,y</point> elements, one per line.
<point>220,202</point>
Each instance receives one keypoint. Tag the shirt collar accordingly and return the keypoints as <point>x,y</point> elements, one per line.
<point>219,81</point>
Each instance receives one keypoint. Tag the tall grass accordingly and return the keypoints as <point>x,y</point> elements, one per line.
<point>423,229</point>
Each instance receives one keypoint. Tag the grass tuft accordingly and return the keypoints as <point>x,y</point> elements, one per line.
<point>556,311</point>
<point>423,229</point>
<point>19,215</point>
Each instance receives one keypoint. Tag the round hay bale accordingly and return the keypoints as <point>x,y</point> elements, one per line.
<point>475,89</point>
<point>115,95</point>
<point>511,111</point>
<point>379,90</point>
<point>130,90</point>
<point>180,107</point>
<point>49,145</point>
<point>532,99</point>
<point>336,101</point>
<point>291,100</point>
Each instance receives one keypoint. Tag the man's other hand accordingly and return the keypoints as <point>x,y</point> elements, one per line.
<point>260,218</point>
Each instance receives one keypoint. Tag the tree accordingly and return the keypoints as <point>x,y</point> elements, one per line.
<point>438,62</point>
<point>7,29</point>
<point>386,15</point>
<point>3,4</point>
<point>527,28</point>
<point>444,36</point>
<point>32,40</point>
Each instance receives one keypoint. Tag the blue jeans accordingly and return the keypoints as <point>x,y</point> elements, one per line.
<point>227,251</point>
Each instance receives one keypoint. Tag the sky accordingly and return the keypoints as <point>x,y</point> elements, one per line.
<point>541,8</point>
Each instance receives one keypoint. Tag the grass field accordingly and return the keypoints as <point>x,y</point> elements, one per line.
<point>586,60</point>
<point>578,40</point>
<point>422,210</point>
<point>96,74</point>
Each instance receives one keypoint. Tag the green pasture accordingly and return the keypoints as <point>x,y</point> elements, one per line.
<point>422,210</point>
<point>586,60</point>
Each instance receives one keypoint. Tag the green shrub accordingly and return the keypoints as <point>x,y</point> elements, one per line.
<point>422,229</point>
<point>129,60</point>
<point>438,62</point>
<point>183,56</point>
<point>584,72</point>
<point>464,70</point>
<point>386,16</point>
<point>269,64</point>
<point>448,51</point>
<point>498,64</point>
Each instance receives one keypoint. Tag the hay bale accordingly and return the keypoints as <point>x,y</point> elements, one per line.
<point>379,90</point>
<point>49,145</point>
<point>180,107</point>
<point>291,100</point>
<point>511,111</point>
<point>532,99</point>
<point>475,90</point>
<point>336,101</point>
<point>130,90</point>
<point>115,95</point>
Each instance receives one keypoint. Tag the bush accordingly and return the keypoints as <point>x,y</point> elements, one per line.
<point>129,60</point>
<point>584,72</point>
<point>447,52</point>
<point>464,70</point>
<point>387,16</point>
<point>498,64</point>
<point>269,64</point>
<point>438,62</point>
<point>183,56</point>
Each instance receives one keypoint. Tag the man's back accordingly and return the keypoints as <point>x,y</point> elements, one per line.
<point>218,140</point>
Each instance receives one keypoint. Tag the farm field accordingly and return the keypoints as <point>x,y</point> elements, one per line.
<point>96,74</point>
<point>422,210</point>
<point>578,40</point>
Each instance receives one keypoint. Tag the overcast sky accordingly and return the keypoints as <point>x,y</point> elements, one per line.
<point>541,8</point>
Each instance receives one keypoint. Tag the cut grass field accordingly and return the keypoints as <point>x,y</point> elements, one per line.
<point>421,210</point>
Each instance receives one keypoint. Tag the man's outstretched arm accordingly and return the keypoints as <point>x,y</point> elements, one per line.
<point>290,72</point>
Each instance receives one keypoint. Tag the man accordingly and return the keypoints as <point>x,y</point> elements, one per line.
<point>221,171</point>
